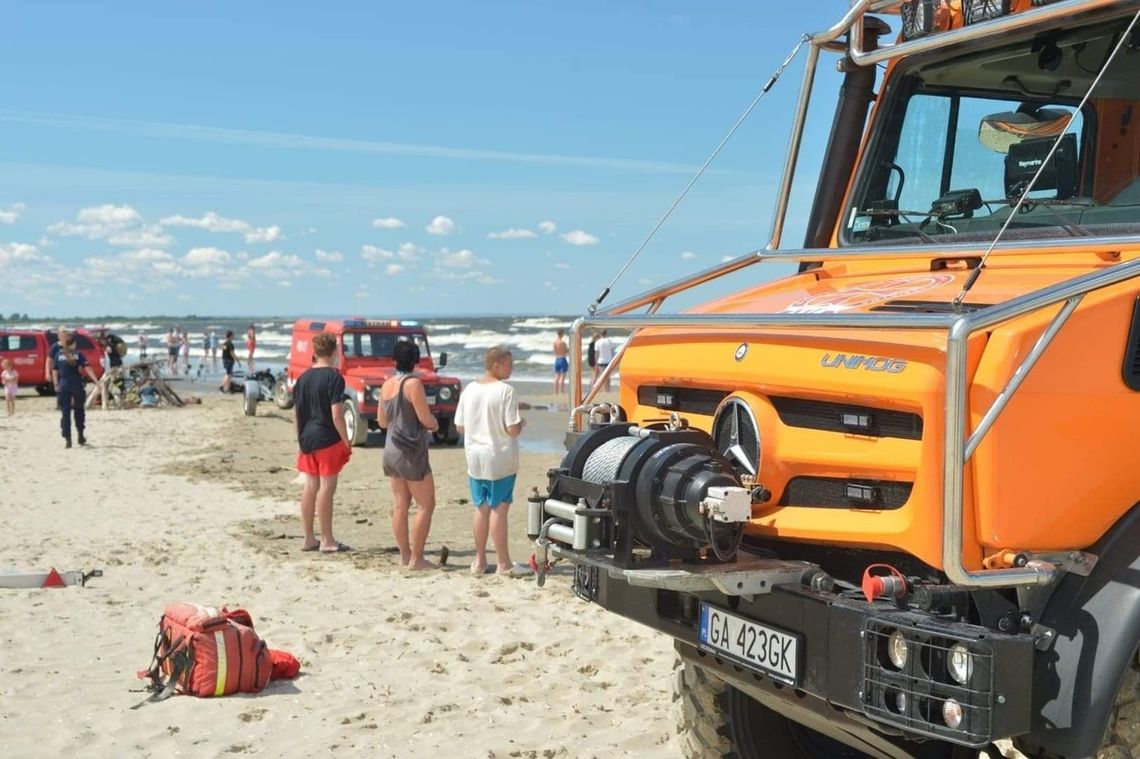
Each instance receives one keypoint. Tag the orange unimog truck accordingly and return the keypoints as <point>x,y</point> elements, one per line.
<point>887,506</point>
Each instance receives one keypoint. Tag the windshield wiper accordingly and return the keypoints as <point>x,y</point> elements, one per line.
<point>1027,205</point>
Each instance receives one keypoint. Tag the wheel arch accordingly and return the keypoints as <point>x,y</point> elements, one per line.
<point>1096,624</point>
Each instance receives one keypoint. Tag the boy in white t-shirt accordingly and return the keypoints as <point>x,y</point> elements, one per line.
<point>488,417</point>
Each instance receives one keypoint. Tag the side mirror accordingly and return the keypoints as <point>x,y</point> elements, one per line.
<point>443,359</point>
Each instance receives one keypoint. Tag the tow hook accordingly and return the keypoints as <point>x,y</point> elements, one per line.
<point>542,553</point>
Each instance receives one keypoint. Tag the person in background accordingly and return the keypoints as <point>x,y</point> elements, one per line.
<point>172,342</point>
<point>68,368</point>
<point>403,411</point>
<point>561,363</point>
<point>250,345</point>
<point>592,357</point>
<point>10,378</point>
<point>205,354</point>
<point>214,348</point>
<point>229,358</point>
<point>605,353</point>
<point>318,420</point>
<point>142,345</point>
<point>184,345</point>
<point>112,370</point>
<point>488,417</point>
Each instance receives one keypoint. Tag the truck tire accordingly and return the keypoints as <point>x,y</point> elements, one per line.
<point>249,405</point>
<point>354,424</point>
<point>715,720</point>
<point>281,395</point>
<point>1122,735</point>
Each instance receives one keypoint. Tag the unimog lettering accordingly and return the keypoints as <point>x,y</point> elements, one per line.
<point>855,361</point>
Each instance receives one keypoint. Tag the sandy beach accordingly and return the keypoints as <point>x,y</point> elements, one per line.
<point>199,504</point>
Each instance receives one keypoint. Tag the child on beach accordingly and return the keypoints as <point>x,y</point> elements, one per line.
<point>10,379</point>
<point>403,411</point>
<point>488,417</point>
<point>323,441</point>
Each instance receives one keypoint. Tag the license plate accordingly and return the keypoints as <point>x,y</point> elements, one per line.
<point>773,652</point>
<point>430,399</point>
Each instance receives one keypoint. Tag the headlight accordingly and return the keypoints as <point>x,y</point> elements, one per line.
<point>952,713</point>
<point>960,663</point>
<point>445,393</point>
<point>374,394</point>
<point>897,649</point>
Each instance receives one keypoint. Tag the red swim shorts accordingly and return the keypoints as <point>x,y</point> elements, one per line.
<point>324,462</point>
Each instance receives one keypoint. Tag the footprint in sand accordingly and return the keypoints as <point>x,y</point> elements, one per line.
<point>253,715</point>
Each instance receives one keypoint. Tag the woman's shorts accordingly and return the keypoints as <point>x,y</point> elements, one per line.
<point>324,462</point>
<point>492,492</point>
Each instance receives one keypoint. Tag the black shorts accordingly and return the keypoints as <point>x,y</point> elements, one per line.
<point>173,352</point>
<point>229,367</point>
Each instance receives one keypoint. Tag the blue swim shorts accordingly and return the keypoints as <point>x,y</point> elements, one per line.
<point>492,492</point>
<point>561,365</point>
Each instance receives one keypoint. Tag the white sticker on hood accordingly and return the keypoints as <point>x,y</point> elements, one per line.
<point>867,294</point>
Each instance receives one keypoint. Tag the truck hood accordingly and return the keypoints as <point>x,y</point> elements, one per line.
<point>376,375</point>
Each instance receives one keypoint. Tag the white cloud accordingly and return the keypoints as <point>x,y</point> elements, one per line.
<point>550,286</point>
<point>13,212</point>
<point>580,238</point>
<point>18,251</point>
<point>329,255</point>
<point>97,222</point>
<point>547,227</point>
<point>201,257</point>
<point>688,255</point>
<point>215,222</point>
<point>441,225</point>
<point>393,269</point>
<point>561,265</point>
<point>361,294</point>
<point>148,235</point>
<point>282,267</point>
<point>464,259</point>
<point>389,222</point>
<point>512,234</point>
<point>373,255</point>
<point>264,234</point>
<point>408,251</point>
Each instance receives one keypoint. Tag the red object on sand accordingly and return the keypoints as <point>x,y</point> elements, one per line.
<point>285,665</point>
<point>53,580</point>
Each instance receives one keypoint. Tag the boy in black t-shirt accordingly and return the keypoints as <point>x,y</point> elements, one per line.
<point>318,399</point>
<point>229,356</point>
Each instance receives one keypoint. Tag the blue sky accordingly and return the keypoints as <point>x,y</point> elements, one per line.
<point>416,158</point>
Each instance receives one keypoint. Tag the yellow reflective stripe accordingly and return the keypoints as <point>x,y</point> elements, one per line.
<point>220,643</point>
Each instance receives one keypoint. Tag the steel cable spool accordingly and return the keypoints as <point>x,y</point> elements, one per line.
<point>603,464</point>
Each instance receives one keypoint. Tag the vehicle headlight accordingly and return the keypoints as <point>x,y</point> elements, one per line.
<point>960,663</point>
<point>445,393</point>
<point>952,713</point>
<point>897,649</point>
<point>374,394</point>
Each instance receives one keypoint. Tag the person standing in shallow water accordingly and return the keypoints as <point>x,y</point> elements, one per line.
<point>68,368</point>
<point>318,419</point>
<point>561,363</point>
<point>250,345</point>
<point>403,411</point>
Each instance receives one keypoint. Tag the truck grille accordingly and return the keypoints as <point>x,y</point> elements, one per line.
<point>693,400</point>
<point>737,436</point>
<point>847,418</point>
<point>844,493</point>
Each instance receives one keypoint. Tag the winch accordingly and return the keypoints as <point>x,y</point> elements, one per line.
<point>643,496</point>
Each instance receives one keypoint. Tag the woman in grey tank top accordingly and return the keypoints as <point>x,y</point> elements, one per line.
<point>403,411</point>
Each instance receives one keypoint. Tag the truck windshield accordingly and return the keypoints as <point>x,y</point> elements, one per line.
<point>380,344</point>
<point>958,140</point>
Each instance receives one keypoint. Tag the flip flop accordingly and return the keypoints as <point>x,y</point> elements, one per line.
<point>340,548</point>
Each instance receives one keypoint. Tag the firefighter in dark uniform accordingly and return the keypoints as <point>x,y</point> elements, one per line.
<point>68,368</point>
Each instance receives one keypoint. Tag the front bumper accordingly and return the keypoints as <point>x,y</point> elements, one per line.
<point>844,674</point>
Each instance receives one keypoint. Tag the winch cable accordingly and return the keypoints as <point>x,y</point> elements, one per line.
<point>977,272</point>
<point>747,111</point>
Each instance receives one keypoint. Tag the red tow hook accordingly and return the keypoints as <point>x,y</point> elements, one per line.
<point>887,582</point>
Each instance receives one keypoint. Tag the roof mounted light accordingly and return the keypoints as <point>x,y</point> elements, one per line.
<point>976,11</point>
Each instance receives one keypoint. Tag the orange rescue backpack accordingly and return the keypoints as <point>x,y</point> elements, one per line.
<point>205,651</point>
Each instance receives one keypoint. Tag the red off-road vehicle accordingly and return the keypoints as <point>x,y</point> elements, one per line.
<point>364,358</point>
<point>28,349</point>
